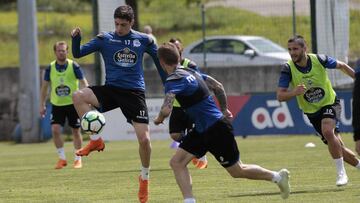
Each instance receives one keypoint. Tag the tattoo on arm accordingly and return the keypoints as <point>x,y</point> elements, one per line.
<point>167,105</point>
<point>218,90</point>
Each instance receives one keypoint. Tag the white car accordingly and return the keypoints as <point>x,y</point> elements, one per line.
<point>236,51</point>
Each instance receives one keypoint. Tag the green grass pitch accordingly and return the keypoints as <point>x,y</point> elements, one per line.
<point>27,174</point>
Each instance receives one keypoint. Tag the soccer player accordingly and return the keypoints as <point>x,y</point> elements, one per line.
<point>213,132</point>
<point>179,123</point>
<point>63,76</point>
<point>356,108</point>
<point>307,75</point>
<point>124,87</point>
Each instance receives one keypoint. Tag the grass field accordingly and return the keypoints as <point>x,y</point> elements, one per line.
<point>27,174</point>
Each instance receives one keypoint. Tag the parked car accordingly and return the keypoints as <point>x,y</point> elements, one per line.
<point>236,51</point>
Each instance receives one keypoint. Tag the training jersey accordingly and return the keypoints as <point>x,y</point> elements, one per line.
<point>123,57</point>
<point>194,97</point>
<point>61,68</point>
<point>186,63</point>
<point>63,83</point>
<point>285,77</point>
<point>357,68</point>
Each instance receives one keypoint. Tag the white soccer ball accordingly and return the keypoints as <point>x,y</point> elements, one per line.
<point>93,122</point>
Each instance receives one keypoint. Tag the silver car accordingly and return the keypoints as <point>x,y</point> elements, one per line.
<point>236,51</point>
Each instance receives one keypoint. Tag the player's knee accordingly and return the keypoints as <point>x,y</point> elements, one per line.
<point>174,164</point>
<point>77,96</point>
<point>144,140</point>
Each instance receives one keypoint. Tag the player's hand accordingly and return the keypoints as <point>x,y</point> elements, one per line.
<point>42,111</point>
<point>357,147</point>
<point>300,89</point>
<point>158,120</point>
<point>228,115</point>
<point>76,31</point>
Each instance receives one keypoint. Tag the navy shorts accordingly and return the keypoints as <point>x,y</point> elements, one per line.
<point>60,113</point>
<point>179,122</point>
<point>131,102</point>
<point>219,140</point>
<point>331,111</point>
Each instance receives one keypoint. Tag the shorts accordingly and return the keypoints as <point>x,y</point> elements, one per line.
<point>331,111</point>
<point>179,122</point>
<point>219,140</point>
<point>60,113</point>
<point>131,102</point>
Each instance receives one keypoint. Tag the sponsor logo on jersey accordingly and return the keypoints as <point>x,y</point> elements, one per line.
<point>125,57</point>
<point>62,91</point>
<point>314,95</point>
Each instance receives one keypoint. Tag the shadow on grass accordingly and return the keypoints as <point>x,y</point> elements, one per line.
<point>292,193</point>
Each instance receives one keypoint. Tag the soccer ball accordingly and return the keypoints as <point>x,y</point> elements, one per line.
<point>93,122</point>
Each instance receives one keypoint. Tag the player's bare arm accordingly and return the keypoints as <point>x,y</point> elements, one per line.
<point>83,83</point>
<point>283,94</point>
<point>166,108</point>
<point>43,94</point>
<point>345,68</point>
<point>219,92</point>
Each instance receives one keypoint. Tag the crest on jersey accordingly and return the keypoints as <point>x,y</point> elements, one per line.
<point>125,57</point>
<point>136,43</point>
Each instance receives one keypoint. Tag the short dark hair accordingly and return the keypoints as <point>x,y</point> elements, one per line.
<point>60,43</point>
<point>174,39</point>
<point>124,12</point>
<point>169,53</point>
<point>298,39</point>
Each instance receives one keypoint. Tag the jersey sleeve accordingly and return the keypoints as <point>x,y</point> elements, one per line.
<point>78,71</point>
<point>151,49</point>
<point>47,74</point>
<point>327,61</point>
<point>88,48</point>
<point>357,68</point>
<point>285,76</point>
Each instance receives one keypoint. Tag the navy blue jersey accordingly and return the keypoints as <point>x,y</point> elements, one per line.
<point>77,70</point>
<point>285,76</point>
<point>204,111</point>
<point>123,56</point>
<point>357,68</point>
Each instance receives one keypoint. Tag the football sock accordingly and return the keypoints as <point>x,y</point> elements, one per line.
<point>76,157</point>
<point>145,173</point>
<point>61,153</point>
<point>203,158</point>
<point>276,177</point>
<point>94,137</point>
<point>189,200</point>
<point>340,166</point>
<point>358,165</point>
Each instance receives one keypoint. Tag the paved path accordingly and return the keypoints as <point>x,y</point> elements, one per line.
<point>274,7</point>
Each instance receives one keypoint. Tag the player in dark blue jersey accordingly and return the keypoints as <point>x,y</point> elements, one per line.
<point>212,132</point>
<point>309,83</point>
<point>122,51</point>
<point>179,122</point>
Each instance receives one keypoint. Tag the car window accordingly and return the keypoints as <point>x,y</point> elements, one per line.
<point>266,46</point>
<point>221,46</point>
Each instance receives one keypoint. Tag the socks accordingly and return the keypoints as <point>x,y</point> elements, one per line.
<point>189,200</point>
<point>340,166</point>
<point>145,173</point>
<point>276,177</point>
<point>61,153</point>
<point>95,137</point>
<point>76,158</point>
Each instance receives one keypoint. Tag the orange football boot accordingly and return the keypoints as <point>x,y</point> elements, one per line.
<point>61,164</point>
<point>200,163</point>
<point>143,190</point>
<point>91,146</point>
